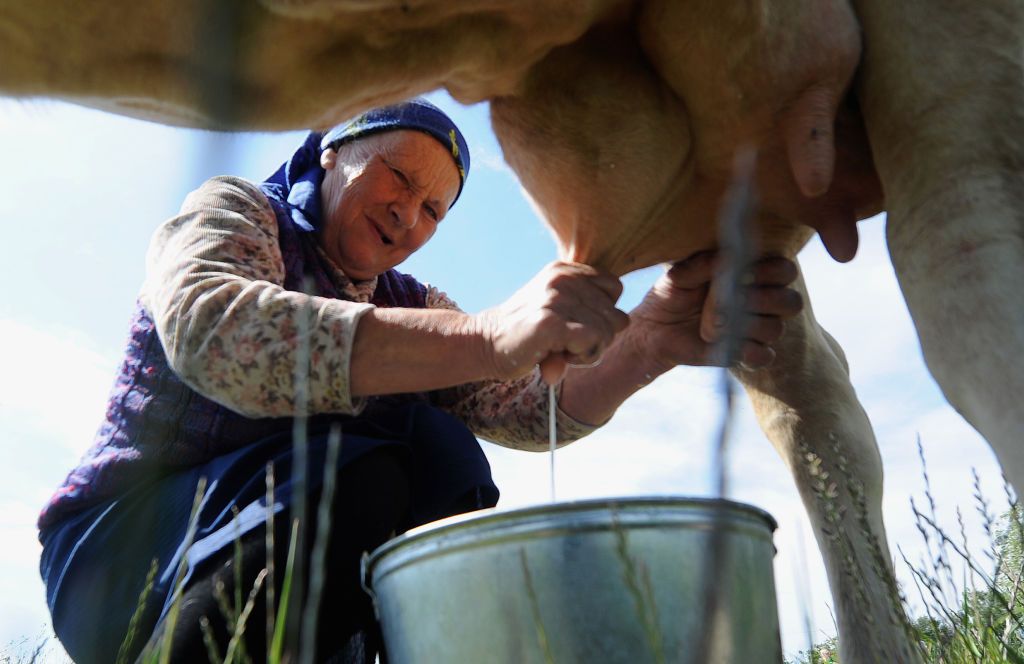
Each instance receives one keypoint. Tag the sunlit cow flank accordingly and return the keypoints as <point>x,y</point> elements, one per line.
<point>622,120</point>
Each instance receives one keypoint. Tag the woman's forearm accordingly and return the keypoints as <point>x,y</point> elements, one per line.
<point>414,350</point>
<point>565,309</point>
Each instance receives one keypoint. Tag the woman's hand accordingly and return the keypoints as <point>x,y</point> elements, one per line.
<point>564,316</point>
<point>668,327</point>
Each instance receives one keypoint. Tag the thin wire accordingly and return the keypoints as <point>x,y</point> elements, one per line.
<point>552,435</point>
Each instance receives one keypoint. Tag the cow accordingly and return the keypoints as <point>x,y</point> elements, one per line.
<point>622,119</point>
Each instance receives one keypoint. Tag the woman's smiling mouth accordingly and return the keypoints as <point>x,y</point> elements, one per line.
<point>384,237</point>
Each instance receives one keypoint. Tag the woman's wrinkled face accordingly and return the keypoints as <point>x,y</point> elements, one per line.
<point>383,197</point>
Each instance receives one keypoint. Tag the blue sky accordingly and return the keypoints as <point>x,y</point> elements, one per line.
<point>82,191</point>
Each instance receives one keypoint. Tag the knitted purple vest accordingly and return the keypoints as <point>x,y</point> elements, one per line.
<point>155,423</point>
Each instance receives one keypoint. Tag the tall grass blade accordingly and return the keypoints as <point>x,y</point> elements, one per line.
<point>220,594</point>
<point>237,607</point>
<point>638,584</point>
<point>268,543</point>
<point>140,607</point>
<point>236,647</point>
<point>277,652</point>
<point>210,641</point>
<point>538,622</point>
<point>161,652</point>
<point>734,219</point>
<point>300,443</point>
<point>318,558</point>
<point>799,563</point>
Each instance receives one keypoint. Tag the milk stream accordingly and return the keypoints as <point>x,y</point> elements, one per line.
<point>552,435</point>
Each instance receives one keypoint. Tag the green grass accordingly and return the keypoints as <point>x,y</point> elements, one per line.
<point>972,604</point>
<point>237,609</point>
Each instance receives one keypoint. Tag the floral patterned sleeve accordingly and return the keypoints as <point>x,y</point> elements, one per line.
<point>229,329</point>
<point>512,413</point>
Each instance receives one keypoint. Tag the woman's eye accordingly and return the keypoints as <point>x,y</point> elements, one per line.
<point>400,175</point>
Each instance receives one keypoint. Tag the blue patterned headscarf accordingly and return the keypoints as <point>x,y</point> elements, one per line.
<point>297,182</point>
<point>417,114</point>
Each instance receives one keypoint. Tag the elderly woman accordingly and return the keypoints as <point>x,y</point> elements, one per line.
<point>264,302</point>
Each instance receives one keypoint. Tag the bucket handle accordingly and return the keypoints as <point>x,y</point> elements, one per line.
<point>364,578</point>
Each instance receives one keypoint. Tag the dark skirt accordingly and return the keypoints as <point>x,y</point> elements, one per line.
<point>94,564</point>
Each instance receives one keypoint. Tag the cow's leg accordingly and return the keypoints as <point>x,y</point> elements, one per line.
<point>943,97</point>
<point>807,407</point>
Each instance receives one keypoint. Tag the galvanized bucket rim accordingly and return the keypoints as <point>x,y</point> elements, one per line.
<point>438,529</point>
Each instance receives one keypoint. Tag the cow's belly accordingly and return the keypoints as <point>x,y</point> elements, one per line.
<point>278,64</point>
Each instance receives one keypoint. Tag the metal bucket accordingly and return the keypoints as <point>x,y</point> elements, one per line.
<point>599,581</point>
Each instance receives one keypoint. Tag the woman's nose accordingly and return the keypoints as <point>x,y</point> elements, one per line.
<point>404,213</point>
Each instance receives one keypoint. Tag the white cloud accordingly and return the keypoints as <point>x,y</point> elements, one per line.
<point>54,383</point>
<point>861,305</point>
<point>24,620</point>
<point>492,161</point>
<point>51,400</point>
